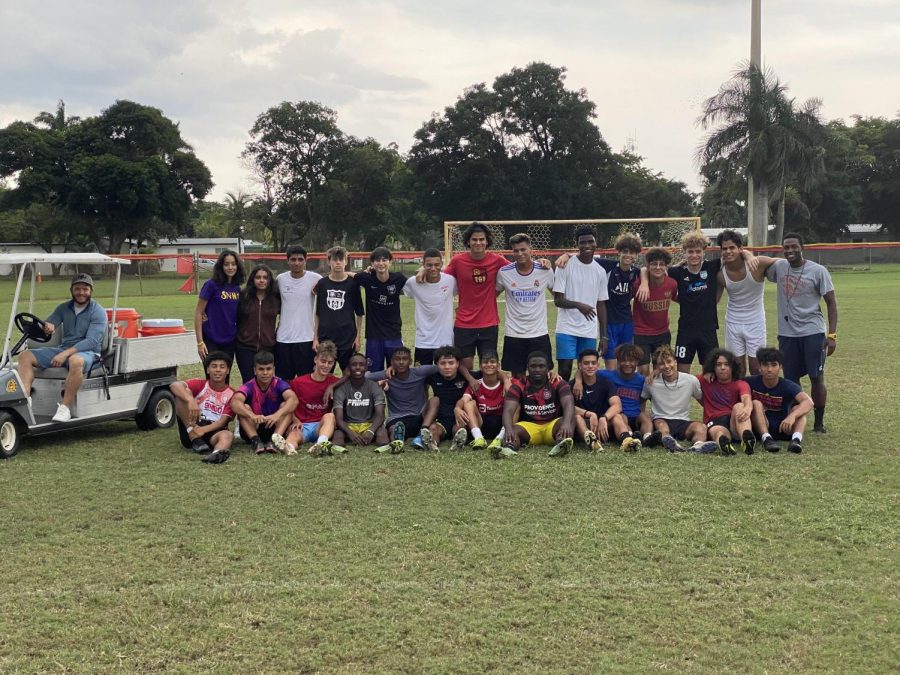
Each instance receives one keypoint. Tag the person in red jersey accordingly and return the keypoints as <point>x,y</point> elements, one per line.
<point>313,419</point>
<point>203,408</point>
<point>651,316</point>
<point>482,410</point>
<point>727,405</point>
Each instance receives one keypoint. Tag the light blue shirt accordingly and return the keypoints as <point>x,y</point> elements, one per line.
<point>83,331</point>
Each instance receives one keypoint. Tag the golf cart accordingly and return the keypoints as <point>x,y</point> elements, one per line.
<point>131,379</point>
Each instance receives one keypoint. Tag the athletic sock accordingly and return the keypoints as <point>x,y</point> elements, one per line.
<point>624,435</point>
<point>797,437</point>
<point>322,438</point>
<point>819,411</point>
<point>766,436</point>
<point>476,433</point>
<point>502,434</point>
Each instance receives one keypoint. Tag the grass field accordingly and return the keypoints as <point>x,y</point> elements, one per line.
<point>123,552</point>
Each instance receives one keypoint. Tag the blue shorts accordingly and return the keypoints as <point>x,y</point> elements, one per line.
<point>379,352</point>
<point>45,355</point>
<point>802,356</point>
<point>568,347</point>
<point>309,432</point>
<point>618,334</point>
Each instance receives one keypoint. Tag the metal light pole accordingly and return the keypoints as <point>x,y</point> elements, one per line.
<point>755,60</point>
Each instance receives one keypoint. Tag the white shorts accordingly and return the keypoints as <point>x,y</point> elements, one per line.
<point>745,338</point>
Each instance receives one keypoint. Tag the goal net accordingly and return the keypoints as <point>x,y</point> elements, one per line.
<point>551,237</point>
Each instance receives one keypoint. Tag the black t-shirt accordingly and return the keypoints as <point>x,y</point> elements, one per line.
<point>596,396</point>
<point>337,304</point>
<point>382,304</point>
<point>618,307</point>
<point>449,391</point>
<point>697,296</point>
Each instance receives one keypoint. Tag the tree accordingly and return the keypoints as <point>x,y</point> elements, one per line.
<point>125,174</point>
<point>760,135</point>
<point>877,169</point>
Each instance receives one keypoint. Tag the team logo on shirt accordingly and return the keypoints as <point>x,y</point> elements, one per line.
<point>547,395</point>
<point>335,299</point>
<point>478,275</point>
<point>703,274</point>
<point>392,289</point>
<point>536,283</point>
<point>357,395</point>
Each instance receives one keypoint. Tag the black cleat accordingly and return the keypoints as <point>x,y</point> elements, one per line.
<point>819,428</point>
<point>795,447</point>
<point>216,457</point>
<point>200,446</point>
<point>725,446</point>
<point>653,440</point>
<point>771,445</point>
<point>748,442</point>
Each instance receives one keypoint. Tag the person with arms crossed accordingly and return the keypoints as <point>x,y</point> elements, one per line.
<point>83,325</point>
<point>434,307</point>
<point>383,323</point>
<point>203,410</point>
<point>293,347</point>
<point>580,292</point>
<point>339,308</point>
<point>359,408</point>
<point>779,405</point>
<point>264,406</point>
<point>726,402</point>
<point>802,336</point>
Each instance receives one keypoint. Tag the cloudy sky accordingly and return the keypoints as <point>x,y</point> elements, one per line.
<point>386,65</point>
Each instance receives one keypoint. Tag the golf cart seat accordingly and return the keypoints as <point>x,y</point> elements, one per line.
<point>101,367</point>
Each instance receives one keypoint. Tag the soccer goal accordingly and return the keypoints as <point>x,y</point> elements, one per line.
<point>550,237</point>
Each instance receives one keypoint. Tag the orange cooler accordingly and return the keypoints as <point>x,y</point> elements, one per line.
<point>126,321</point>
<point>161,327</point>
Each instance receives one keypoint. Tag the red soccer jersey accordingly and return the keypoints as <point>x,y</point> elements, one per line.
<point>652,316</point>
<point>539,404</point>
<point>310,393</point>
<point>213,404</point>
<point>489,401</point>
<point>475,281</point>
<point>719,399</point>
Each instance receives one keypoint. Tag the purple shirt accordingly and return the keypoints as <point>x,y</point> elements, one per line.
<point>221,311</point>
<point>264,402</point>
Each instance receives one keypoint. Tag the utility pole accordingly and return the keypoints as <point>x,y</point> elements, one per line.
<point>753,236</point>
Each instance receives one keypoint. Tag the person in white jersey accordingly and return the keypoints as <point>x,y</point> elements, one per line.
<point>745,315</point>
<point>434,307</point>
<point>293,342</point>
<point>580,292</point>
<point>525,282</point>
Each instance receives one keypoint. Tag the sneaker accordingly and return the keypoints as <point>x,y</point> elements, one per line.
<point>200,446</point>
<point>479,443</point>
<point>795,446</point>
<point>705,447</point>
<point>771,444</point>
<point>279,442</point>
<point>653,440</point>
<point>725,446</point>
<point>593,443</point>
<point>398,433</point>
<point>417,443</point>
<point>63,414</point>
<point>428,442</point>
<point>560,449</point>
<point>748,442</point>
<point>670,444</point>
<point>459,440</point>
<point>216,457</point>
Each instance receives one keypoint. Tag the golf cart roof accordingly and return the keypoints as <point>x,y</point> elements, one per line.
<point>61,259</point>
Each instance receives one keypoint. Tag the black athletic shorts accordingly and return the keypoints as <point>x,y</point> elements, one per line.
<point>470,340</point>
<point>516,351</point>
<point>292,359</point>
<point>650,343</point>
<point>424,357</point>
<point>678,428</point>
<point>264,433</point>
<point>802,356</point>
<point>698,344</point>
<point>186,440</point>
<point>491,426</point>
<point>721,421</point>
<point>447,423</point>
<point>413,424</point>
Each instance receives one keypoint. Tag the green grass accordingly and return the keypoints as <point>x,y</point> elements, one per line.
<point>123,552</point>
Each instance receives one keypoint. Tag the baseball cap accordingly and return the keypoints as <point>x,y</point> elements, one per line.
<point>82,279</point>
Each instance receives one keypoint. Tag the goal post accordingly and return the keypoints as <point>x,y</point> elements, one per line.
<point>553,236</point>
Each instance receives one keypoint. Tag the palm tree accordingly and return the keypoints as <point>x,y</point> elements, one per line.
<point>760,135</point>
<point>57,121</point>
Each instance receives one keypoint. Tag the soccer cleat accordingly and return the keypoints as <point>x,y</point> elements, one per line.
<point>382,449</point>
<point>670,444</point>
<point>396,447</point>
<point>748,442</point>
<point>501,452</point>
<point>819,428</point>
<point>725,446</point>
<point>200,446</point>
<point>653,439</point>
<point>795,446</point>
<point>216,457</point>
<point>63,414</point>
<point>638,444</point>
<point>771,444</point>
<point>337,450</point>
<point>560,449</point>
<point>279,442</point>
<point>494,446</point>
<point>289,450</point>
<point>593,443</point>
<point>398,433</point>
<point>417,443</point>
<point>428,442</point>
<point>321,448</point>
<point>705,447</point>
<point>480,443</point>
<point>628,444</point>
<point>459,440</point>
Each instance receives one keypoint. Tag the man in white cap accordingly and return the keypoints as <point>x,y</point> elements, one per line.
<point>83,322</point>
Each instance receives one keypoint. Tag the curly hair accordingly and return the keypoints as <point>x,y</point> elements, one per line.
<point>477,227</point>
<point>663,353</point>
<point>658,253</point>
<point>694,239</point>
<point>628,242</point>
<point>630,352</point>
<point>709,366</point>
<point>447,352</point>
<point>328,349</point>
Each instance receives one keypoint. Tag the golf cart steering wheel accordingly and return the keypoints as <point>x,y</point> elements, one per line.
<point>32,327</point>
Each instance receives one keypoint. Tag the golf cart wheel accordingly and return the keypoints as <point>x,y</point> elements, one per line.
<point>10,435</point>
<point>159,413</point>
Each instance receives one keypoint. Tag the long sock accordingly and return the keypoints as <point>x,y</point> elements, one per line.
<point>819,411</point>
<point>476,433</point>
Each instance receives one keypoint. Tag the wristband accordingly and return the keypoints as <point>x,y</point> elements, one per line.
<point>369,431</point>
<point>587,415</point>
<point>201,343</point>
<point>831,336</point>
<point>604,338</point>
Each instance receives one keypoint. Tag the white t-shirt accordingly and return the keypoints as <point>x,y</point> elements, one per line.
<point>526,299</point>
<point>434,311</point>
<point>297,307</point>
<point>580,282</point>
<point>672,400</point>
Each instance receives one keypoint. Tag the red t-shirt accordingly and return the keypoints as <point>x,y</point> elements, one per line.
<point>539,404</point>
<point>213,404</point>
<point>652,316</point>
<point>475,280</point>
<point>310,393</point>
<point>489,401</point>
<point>719,399</point>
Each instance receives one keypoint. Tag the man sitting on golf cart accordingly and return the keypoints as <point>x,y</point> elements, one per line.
<point>83,323</point>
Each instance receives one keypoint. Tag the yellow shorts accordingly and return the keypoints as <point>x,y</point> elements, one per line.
<point>539,434</point>
<point>360,427</point>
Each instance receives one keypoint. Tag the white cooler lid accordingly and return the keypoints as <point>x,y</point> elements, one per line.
<point>162,323</point>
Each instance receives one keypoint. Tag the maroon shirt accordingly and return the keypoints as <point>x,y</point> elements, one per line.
<point>539,404</point>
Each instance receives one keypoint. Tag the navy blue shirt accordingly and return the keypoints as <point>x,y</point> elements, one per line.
<point>382,304</point>
<point>618,307</point>
<point>777,401</point>
<point>596,396</point>
<point>449,391</point>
